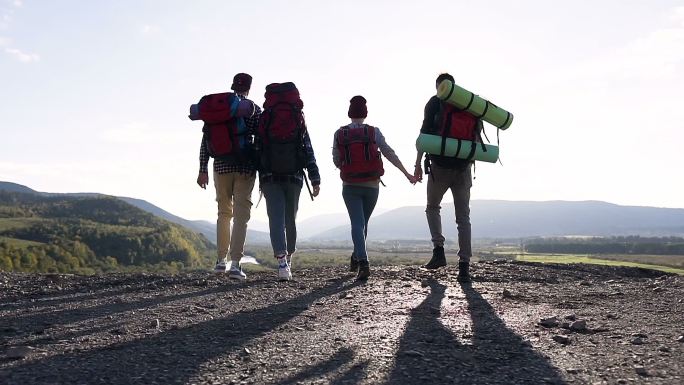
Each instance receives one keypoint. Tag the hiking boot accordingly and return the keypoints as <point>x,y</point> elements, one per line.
<point>438,259</point>
<point>284,273</point>
<point>463,272</point>
<point>364,271</point>
<point>221,266</point>
<point>235,272</point>
<point>353,264</point>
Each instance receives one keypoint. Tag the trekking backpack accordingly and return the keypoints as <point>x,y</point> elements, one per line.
<point>224,125</point>
<point>361,161</point>
<point>282,128</point>
<point>457,124</point>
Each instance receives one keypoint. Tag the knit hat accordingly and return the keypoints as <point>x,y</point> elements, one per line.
<point>241,82</point>
<point>357,107</point>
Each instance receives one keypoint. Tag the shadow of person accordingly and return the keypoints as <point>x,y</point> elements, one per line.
<point>172,357</point>
<point>430,353</point>
<point>499,354</point>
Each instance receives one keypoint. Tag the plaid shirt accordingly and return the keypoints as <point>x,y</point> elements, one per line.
<point>223,167</point>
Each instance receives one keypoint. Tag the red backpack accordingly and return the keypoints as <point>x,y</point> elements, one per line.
<point>361,161</point>
<point>457,124</point>
<point>224,125</point>
<point>281,128</point>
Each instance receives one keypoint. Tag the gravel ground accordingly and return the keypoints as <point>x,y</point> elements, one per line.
<point>517,323</point>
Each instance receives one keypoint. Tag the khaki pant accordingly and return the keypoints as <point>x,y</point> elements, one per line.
<point>459,181</point>
<point>234,198</point>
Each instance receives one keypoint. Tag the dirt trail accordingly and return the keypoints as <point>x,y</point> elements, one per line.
<point>404,326</point>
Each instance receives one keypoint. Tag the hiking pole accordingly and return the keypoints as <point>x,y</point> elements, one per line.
<point>307,186</point>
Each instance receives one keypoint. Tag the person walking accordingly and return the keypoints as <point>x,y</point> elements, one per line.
<point>285,151</point>
<point>234,177</point>
<point>356,152</point>
<point>447,173</point>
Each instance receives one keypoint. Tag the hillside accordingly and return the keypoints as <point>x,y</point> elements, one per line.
<point>206,228</point>
<point>86,234</point>
<point>405,326</point>
<point>518,219</point>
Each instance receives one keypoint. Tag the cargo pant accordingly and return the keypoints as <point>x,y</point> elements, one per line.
<point>459,181</point>
<point>234,198</point>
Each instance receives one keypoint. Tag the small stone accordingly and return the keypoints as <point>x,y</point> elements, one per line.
<point>680,339</point>
<point>572,370</point>
<point>640,370</point>
<point>413,353</point>
<point>549,322</point>
<point>664,349</point>
<point>637,341</point>
<point>640,335</point>
<point>18,352</point>
<point>564,340</point>
<point>579,326</point>
<point>247,351</point>
<point>506,294</point>
<point>571,317</point>
<point>155,324</point>
<point>658,290</point>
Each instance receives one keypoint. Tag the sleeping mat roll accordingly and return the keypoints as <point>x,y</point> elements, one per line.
<point>432,144</point>
<point>481,108</point>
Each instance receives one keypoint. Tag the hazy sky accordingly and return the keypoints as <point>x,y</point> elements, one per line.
<point>95,93</point>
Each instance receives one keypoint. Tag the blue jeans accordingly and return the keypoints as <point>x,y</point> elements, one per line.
<point>360,203</point>
<point>282,203</point>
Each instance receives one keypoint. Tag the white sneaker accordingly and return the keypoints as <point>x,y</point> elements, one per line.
<point>221,266</point>
<point>236,272</point>
<point>284,273</point>
<point>289,260</point>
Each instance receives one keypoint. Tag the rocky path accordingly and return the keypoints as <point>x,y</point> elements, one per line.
<point>516,323</point>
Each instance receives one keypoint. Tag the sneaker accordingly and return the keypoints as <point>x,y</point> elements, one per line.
<point>221,266</point>
<point>463,272</point>
<point>364,271</point>
<point>284,273</point>
<point>353,264</point>
<point>236,272</point>
<point>289,260</point>
<point>438,259</point>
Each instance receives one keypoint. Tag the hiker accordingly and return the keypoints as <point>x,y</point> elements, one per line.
<point>234,168</point>
<point>447,173</point>
<point>356,152</point>
<point>285,151</point>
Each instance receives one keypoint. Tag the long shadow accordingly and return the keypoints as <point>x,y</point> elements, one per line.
<point>171,357</point>
<point>78,294</point>
<point>430,353</point>
<point>319,370</point>
<point>66,316</point>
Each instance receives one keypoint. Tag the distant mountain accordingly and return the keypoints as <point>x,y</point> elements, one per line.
<point>320,223</point>
<point>517,219</point>
<point>13,187</point>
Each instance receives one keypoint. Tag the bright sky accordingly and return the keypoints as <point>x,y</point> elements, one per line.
<point>95,93</point>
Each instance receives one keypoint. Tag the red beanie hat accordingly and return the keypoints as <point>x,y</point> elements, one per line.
<point>241,82</point>
<point>357,107</point>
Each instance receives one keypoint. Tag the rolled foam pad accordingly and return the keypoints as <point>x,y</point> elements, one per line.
<point>482,108</point>
<point>432,144</point>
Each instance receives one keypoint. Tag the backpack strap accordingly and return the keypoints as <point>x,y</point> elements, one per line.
<point>366,144</point>
<point>344,131</point>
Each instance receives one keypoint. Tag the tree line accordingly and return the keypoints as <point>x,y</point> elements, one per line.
<point>607,245</point>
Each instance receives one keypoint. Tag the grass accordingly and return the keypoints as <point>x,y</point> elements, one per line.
<point>572,258</point>
<point>19,243</point>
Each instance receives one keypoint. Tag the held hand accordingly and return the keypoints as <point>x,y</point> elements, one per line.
<point>203,180</point>
<point>418,173</point>
<point>411,178</point>
<point>316,190</point>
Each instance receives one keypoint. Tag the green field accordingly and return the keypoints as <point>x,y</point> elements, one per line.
<point>570,258</point>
